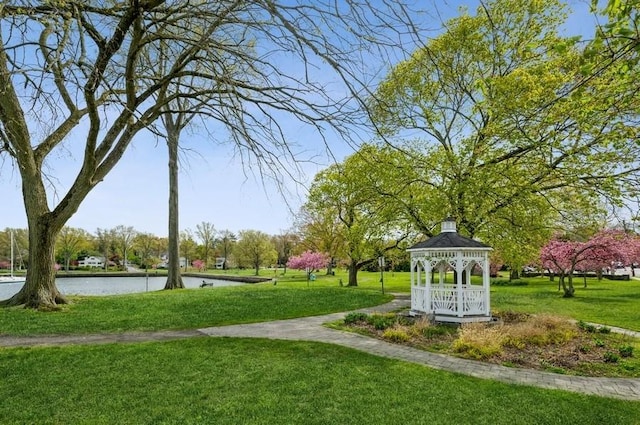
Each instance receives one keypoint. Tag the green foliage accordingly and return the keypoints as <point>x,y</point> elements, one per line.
<point>382,321</point>
<point>255,249</point>
<point>355,317</point>
<point>345,199</point>
<point>610,357</point>
<point>436,331</point>
<point>626,351</point>
<point>587,326</point>
<point>396,335</point>
<point>505,130</point>
<point>509,282</point>
<point>478,342</point>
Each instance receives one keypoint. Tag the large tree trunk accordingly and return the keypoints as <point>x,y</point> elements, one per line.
<point>353,274</point>
<point>174,278</point>
<point>39,290</point>
<point>568,288</point>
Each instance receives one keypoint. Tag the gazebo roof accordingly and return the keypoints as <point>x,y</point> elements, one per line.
<point>449,238</point>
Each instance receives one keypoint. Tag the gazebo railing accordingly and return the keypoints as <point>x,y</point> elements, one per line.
<point>444,300</point>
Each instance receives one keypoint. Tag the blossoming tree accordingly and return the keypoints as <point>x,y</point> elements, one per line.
<point>605,249</point>
<point>308,261</point>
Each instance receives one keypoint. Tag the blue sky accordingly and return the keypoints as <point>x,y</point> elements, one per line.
<point>214,185</point>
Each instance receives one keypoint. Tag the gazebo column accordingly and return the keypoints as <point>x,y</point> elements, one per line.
<point>486,284</point>
<point>415,280</point>
<point>459,273</point>
<point>427,287</point>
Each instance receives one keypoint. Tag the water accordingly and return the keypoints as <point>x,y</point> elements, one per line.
<point>114,285</point>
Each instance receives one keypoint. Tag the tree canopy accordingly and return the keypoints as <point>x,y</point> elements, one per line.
<point>498,126</point>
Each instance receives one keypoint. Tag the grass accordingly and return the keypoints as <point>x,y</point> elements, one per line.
<point>255,381</point>
<point>185,309</point>
<point>613,303</point>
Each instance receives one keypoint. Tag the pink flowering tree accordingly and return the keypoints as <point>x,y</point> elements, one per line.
<point>308,261</point>
<point>565,257</point>
<point>607,248</point>
<point>198,264</point>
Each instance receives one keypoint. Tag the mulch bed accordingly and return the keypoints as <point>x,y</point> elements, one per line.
<point>585,354</point>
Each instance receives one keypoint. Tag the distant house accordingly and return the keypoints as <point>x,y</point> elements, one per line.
<point>91,262</point>
<point>220,262</point>
<point>165,262</point>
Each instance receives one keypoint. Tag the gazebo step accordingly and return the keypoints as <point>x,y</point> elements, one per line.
<point>465,319</point>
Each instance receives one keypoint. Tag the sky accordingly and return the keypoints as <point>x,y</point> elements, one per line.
<point>215,186</point>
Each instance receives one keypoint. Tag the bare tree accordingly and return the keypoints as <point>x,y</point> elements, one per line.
<point>104,240</point>
<point>74,70</point>
<point>207,233</point>
<point>225,242</point>
<point>124,238</point>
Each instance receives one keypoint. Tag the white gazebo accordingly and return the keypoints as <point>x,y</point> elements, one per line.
<point>458,301</point>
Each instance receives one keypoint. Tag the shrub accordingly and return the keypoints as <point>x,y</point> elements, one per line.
<point>626,351</point>
<point>610,357</point>
<point>355,317</point>
<point>604,330</point>
<point>396,334</point>
<point>599,343</point>
<point>540,330</point>
<point>507,282</point>
<point>435,331</point>
<point>381,321</point>
<point>510,316</point>
<point>584,349</point>
<point>587,327</point>
<point>478,341</point>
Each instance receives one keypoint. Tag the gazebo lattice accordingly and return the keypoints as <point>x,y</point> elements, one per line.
<point>460,301</point>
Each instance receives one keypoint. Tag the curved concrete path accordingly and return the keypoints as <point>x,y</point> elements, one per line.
<point>311,329</point>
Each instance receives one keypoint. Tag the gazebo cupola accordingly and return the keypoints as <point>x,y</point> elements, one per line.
<point>434,292</point>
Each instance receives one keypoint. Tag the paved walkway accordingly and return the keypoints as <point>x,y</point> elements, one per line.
<point>311,329</point>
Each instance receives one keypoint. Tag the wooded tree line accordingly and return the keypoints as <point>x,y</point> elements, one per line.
<point>500,121</point>
<point>123,245</point>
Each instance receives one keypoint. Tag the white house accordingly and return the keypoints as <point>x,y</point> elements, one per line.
<point>220,262</point>
<point>165,262</point>
<point>91,262</point>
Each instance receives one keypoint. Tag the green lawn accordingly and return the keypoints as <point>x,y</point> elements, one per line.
<point>608,302</point>
<point>254,381</point>
<point>185,309</point>
<point>613,303</point>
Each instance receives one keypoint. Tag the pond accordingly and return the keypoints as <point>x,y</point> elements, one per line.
<point>114,285</point>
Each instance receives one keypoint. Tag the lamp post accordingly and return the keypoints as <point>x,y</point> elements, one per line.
<point>381,265</point>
